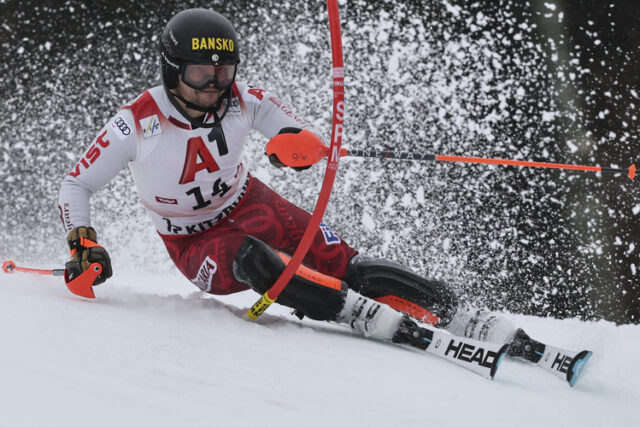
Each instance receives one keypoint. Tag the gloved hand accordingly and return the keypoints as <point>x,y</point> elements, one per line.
<point>275,161</point>
<point>84,251</point>
<point>273,157</point>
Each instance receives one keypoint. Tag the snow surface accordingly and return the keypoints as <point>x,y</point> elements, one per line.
<point>151,351</point>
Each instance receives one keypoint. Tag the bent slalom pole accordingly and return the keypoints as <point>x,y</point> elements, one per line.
<point>313,151</point>
<point>81,285</point>
<point>332,166</point>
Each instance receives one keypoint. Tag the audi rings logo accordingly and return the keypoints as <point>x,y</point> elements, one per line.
<point>122,125</point>
<point>121,128</point>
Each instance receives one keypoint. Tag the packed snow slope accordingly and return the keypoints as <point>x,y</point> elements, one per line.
<point>150,351</point>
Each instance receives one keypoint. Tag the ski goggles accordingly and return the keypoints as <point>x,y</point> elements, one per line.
<point>200,76</point>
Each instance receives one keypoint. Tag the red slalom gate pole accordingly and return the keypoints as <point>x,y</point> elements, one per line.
<point>329,176</point>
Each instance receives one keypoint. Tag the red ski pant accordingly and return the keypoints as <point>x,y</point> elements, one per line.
<point>207,258</point>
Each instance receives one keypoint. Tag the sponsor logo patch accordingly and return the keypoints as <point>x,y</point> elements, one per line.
<point>205,274</point>
<point>330,237</point>
<point>561,363</point>
<point>121,128</point>
<point>257,92</point>
<point>91,155</point>
<point>470,353</point>
<point>166,201</point>
<point>173,38</point>
<point>286,110</point>
<point>65,217</point>
<point>211,43</point>
<point>234,107</point>
<point>150,126</point>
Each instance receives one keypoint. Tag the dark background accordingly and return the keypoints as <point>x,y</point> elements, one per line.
<point>552,81</point>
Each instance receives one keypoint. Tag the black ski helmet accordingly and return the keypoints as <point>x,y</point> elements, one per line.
<point>199,36</point>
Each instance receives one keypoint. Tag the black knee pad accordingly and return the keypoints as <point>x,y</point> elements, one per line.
<point>401,288</point>
<point>313,294</point>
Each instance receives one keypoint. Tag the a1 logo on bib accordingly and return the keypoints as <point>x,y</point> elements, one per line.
<point>150,126</point>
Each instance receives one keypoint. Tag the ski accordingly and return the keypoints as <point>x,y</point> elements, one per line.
<point>565,364</point>
<point>481,357</point>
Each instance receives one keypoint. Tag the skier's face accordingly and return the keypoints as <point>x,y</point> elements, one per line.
<point>205,98</point>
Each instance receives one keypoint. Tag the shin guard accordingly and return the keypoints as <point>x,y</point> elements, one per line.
<point>429,301</point>
<point>313,294</point>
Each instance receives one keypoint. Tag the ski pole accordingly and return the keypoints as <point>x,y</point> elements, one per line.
<point>10,267</point>
<point>404,155</point>
<point>81,285</point>
<point>308,154</point>
<point>330,173</point>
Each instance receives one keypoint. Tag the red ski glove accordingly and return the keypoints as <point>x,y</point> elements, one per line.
<point>296,148</point>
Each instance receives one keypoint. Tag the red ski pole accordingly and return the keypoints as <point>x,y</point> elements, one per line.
<point>81,285</point>
<point>332,166</point>
<point>10,267</point>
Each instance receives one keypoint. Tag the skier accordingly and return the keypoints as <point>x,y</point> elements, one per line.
<point>224,229</point>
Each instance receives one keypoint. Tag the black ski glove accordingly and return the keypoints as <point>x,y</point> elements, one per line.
<point>84,251</point>
<point>275,161</point>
